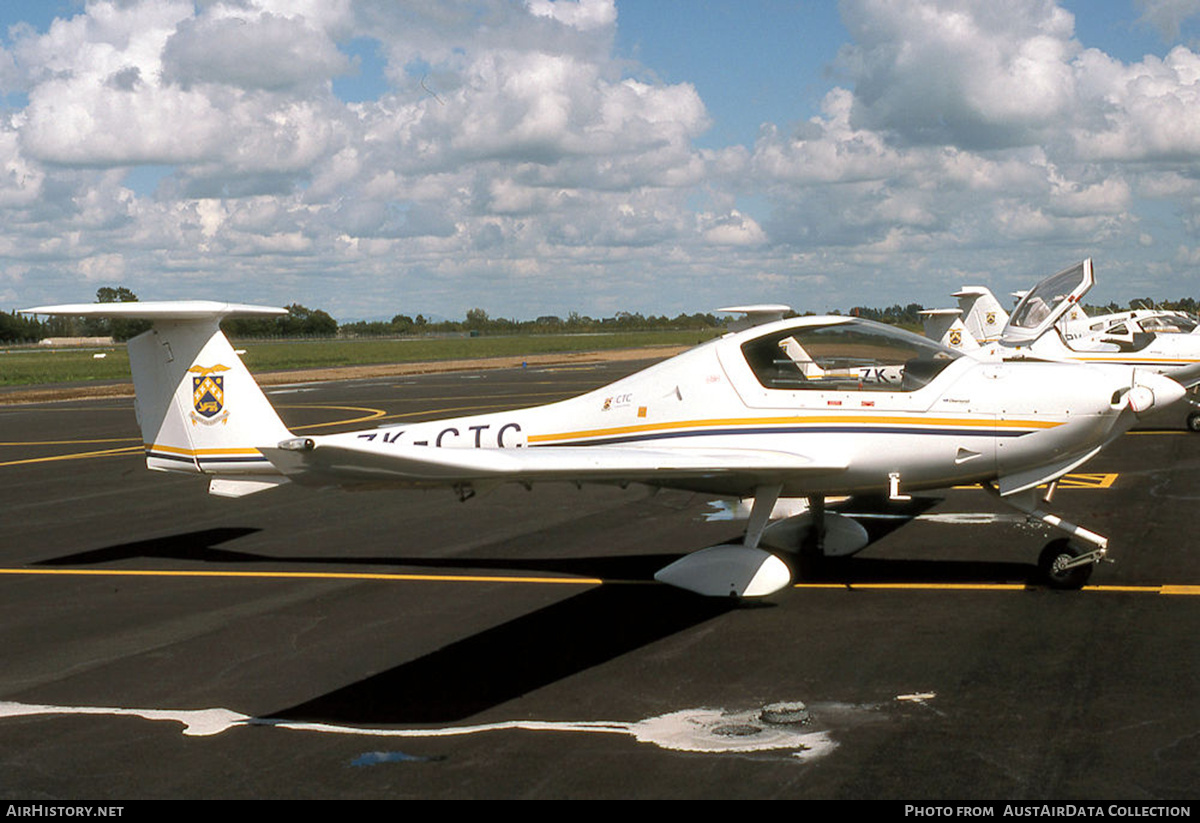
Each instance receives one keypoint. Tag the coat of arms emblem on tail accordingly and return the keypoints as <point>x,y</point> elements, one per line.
<point>208,394</point>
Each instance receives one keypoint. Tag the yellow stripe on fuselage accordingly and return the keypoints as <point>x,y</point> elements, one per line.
<point>796,420</point>
<point>1142,361</point>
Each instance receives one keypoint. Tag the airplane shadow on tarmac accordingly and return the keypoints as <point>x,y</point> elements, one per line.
<point>203,546</point>
<point>479,672</point>
<point>474,674</point>
<point>492,667</point>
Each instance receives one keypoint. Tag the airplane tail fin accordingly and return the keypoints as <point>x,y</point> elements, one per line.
<point>800,356</point>
<point>199,408</point>
<point>983,315</point>
<point>946,327</point>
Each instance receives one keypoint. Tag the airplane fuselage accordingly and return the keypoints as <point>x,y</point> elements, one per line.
<point>971,422</point>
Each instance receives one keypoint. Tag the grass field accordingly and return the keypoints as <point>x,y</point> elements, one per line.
<point>29,366</point>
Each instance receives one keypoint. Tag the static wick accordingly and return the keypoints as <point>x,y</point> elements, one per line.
<point>431,92</point>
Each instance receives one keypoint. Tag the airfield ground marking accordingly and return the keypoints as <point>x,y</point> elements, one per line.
<point>68,442</point>
<point>425,578</point>
<point>1169,589</point>
<point>77,456</point>
<point>368,414</point>
<point>472,408</point>
<point>1076,480</point>
<point>562,393</point>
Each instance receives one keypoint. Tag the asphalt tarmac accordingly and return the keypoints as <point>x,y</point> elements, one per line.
<point>156,642</point>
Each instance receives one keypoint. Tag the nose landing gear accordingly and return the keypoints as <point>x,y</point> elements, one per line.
<point>1063,563</point>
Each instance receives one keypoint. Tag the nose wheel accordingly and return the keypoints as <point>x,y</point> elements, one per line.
<point>1064,565</point>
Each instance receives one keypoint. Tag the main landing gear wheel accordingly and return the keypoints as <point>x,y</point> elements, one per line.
<point>1053,560</point>
<point>1193,422</point>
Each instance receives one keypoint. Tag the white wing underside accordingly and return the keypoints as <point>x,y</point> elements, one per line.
<point>430,465</point>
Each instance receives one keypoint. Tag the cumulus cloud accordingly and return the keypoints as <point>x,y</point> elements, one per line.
<point>266,51</point>
<point>512,152</point>
<point>733,229</point>
<point>973,75</point>
<point>1167,16</point>
<point>581,14</point>
<point>967,126</point>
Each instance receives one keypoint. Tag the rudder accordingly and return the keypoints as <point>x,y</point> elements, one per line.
<point>946,327</point>
<point>982,313</point>
<point>198,406</point>
<point>199,409</point>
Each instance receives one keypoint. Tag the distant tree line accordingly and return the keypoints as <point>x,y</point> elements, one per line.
<point>897,315</point>
<point>301,321</point>
<point>1187,304</point>
<point>478,321</point>
<point>19,328</point>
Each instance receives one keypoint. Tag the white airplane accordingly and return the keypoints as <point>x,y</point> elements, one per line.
<point>1038,329</point>
<point>886,412</point>
<point>984,319</point>
<point>1124,324</point>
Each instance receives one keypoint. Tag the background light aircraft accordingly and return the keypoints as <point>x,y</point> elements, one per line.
<point>806,407</point>
<point>984,319</point>
<point>1123,324</point>
<point>1040,328</point>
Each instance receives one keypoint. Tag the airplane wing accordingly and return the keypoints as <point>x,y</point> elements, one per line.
<point>306,461</point>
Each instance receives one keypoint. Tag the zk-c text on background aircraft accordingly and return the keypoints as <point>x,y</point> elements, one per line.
<point>804,407</point>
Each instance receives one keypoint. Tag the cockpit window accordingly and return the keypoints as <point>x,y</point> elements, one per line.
<point>1169,324</point>
<point>850,356</point>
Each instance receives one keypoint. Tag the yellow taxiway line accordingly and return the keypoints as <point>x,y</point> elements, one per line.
<point>437,578</point>
<point>367,414</point>
<point>76,456</point>
<point>1002,587</point>
<point>1174,589</point>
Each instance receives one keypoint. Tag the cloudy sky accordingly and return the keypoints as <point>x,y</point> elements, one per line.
<point>529,157</point>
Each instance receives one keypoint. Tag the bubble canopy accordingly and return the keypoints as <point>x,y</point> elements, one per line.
<point>1047,302</point>
<point>845,354</point>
